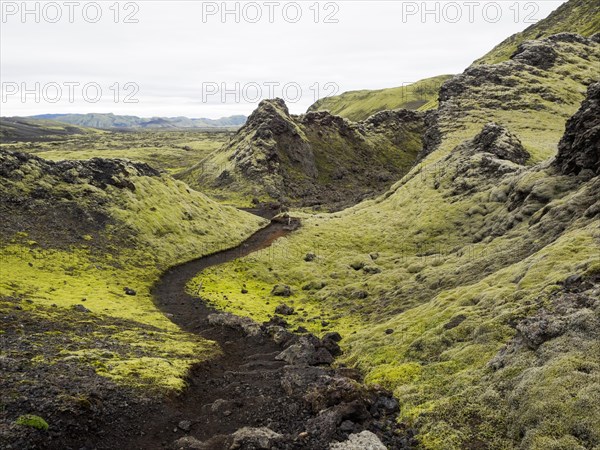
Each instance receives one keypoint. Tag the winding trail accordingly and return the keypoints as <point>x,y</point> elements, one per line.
<point>241,387</point>
<point>244,387</point>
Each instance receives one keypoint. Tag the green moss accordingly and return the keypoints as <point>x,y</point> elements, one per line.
<point>30,420</point>
<point>359,105</point>
<point>574,16</point>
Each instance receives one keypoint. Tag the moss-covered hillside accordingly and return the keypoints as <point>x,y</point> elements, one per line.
<point>359,105</point>
<point>315,159</point>
<point>81,244</point>
<point>574,16</point>
<point>471,287</point>
<point>172,151</point>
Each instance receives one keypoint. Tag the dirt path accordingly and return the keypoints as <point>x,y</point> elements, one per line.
<point>245,386</point>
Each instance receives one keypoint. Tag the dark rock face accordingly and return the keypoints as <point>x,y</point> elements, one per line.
<point>500,142</point>
<point>579,149</point>
<point>497,141</point>
<point>536,53</point>
<point>432,137</point>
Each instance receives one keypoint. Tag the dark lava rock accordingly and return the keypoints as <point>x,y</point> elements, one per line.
<point>500,142</point>
<point>540,328</point>
<point>284,310</point>
<point>539,54</point>
<point>389,331</point>
<point>347,426</point>
<point>387,403</point>
<point>281,290</point>
<point>81,308</point>
<point>185,425</point>
<point>129,291</point>
<point>310,257</point>
<point>579,149</point>
<point>333,336</point>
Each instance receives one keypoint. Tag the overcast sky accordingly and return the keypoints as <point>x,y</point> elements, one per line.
<point>176,58</point>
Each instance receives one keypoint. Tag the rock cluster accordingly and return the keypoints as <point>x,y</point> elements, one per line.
<point>340,412</point>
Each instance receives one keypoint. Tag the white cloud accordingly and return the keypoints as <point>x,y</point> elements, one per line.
<point>171,52</point>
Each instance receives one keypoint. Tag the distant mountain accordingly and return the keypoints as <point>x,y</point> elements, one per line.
<point>359,105</point>
<point>110,120</point>
<point>24,129</point>
<point>575,16</point>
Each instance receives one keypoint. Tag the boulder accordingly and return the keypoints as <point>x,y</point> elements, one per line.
<point>364,440</point>
<point>244,324</point>
<point>254,438</point>
<point>284,310</point>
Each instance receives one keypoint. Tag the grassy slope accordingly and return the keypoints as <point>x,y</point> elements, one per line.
<point>575,16</point>
<point>172,151</point>
<point>452,242</point>
<point>159,224</point>
<point>358,105</point>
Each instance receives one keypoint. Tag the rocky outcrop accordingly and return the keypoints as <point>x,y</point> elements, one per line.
<point>501,143</point>
<point>313,159</point>
<point>579,149</point>
<point>98,172</point>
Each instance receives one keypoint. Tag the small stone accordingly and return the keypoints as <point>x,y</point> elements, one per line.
<point>129,291</point>
<point>389,331</point>
<point>244,291</point>
<point>185,425</point>
<point>310,257</point>
<point>281,290</point>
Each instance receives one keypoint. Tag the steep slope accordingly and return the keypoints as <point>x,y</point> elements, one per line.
<point>14,129</point>
<point>312,159</point>
<point>109,120</point>
<point>471,287</point>
<point>359,105</point>
<point>81,244</point>
<point>575,16</point>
